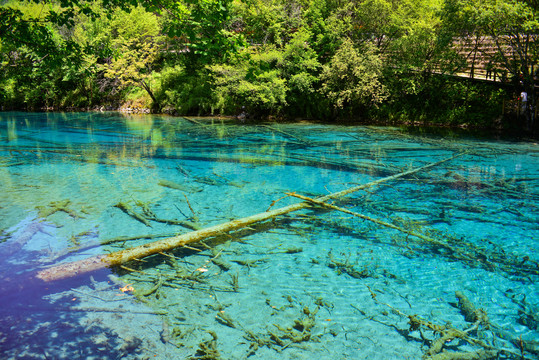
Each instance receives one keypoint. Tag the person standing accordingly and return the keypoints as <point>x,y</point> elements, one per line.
<point>524,109</point>
<point>523,101</point>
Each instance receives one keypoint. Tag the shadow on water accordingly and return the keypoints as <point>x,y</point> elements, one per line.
<point>66,181</point>
<point>466,133</point>
<point>42,321</point>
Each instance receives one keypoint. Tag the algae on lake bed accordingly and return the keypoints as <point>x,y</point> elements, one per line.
<point>311,283</point>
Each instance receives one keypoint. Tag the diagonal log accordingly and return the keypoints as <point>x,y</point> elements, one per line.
<point>63,271</point>
<point>376,221</point>
<point>465,251</point>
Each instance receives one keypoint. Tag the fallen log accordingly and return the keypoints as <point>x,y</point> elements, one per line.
<point>377,221</point>
<point>464,251</point>
<point>302,140</point>
<point>96,243</point>
<point>63,271</point>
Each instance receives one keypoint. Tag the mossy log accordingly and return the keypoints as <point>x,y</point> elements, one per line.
<point>176,186</point>
<point>472,335</point>
<point>377,221</point>
<point>456,248</point>
<point>135,215</point>
<point>14,245</point>
<point>67,270</point>
<point>471,314</point>
<point>56,206</point>
<point>147,215</point>
<point>96,243</point>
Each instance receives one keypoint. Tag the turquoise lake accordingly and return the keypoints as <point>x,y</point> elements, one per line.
<point>433,253</point>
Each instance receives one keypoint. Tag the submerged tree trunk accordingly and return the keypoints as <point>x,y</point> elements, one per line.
<point>67,270</point>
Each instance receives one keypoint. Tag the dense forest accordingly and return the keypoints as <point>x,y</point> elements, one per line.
<point>377,60</point>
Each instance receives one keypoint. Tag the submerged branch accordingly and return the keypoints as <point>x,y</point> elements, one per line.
<point>377,221</point>
<point>480,257</point>
<point>118,258</point>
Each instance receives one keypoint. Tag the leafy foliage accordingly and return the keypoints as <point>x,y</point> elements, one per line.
<point>378,59</point>
<point>136,46</point>
<point>352,78</point>
<point>181,92</point>
<point>252,85</point>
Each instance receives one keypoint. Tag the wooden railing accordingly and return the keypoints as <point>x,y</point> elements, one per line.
<point>482,55</point>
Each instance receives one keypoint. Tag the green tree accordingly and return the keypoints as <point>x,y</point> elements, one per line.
<point>34,55</point>
<point>253,83</point>
<point>352,79</point>
<point>511,27</point>
<point>137,44</point>
<point>200,31</point>
<point>301,69</point>
<point>186,92</point>
<point>268,21</point>
<point>504,34</point>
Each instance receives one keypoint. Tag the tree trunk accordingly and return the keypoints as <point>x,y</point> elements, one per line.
<point>67,270</point>
<point>146,87</point>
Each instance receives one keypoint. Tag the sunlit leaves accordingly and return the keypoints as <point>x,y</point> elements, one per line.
<point>137,44</point>
<point>199,28</point>
<point>353,77</point>
<point>252,84</point>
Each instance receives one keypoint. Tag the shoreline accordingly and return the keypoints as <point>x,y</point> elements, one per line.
<point>410,126</point>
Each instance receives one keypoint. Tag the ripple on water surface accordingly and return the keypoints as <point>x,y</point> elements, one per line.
<point>375,278</point>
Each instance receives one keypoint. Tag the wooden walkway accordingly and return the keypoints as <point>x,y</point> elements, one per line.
<point>483,60</point>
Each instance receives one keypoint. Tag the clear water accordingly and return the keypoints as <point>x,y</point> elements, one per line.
<point>313,283</point>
